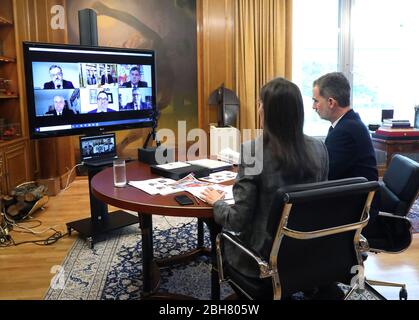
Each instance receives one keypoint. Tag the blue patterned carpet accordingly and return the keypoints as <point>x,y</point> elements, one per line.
<point>113,269</point>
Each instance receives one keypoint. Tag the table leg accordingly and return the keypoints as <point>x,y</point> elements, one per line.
<point>200,234</point>
<point>147,251</point>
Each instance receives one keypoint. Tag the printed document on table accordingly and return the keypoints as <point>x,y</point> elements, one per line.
<point>210,164</point>
<point>173,165</point>
<point>219,177</point>
<point>155,186</point>
<point>164,186</point>
<point>228,191</point>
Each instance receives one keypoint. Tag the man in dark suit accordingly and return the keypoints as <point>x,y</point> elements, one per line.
<point>57,81</point>
<point>351,153</point>
<point>102,103</point>
<point>348,142</point>
<point>106,78</point>
<point>60,108</point>
<point>136,103</point>
<point>135,75</point>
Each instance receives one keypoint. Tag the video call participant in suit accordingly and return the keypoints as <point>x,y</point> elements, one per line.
<point>135,79</point>
<point>286,155</point>
<point>57,81</point>
<point>106,78</point>
<point>91,78</point>
<point>136,103</point>
<point>60,108</point>
<point>351,153</point>
<point>102,103</point>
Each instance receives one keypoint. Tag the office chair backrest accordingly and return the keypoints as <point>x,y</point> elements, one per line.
<point>306,264</point>
<point>401,185</point>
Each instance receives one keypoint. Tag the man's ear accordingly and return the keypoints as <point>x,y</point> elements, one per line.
<point>331,102</point>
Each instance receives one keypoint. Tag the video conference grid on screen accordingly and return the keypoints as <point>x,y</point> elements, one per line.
<point>67,89</point>
<point>92,147</point>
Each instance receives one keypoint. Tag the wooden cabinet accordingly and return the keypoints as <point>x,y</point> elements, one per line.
<point>14,151</point>
<point>13,169</point>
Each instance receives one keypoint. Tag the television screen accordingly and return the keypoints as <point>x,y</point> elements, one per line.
<point>85,90</point>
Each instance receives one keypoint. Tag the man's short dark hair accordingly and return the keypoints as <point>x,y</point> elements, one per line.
<point>102,92</point>
<point>135,69</point>
<point>334,85</point>
<point>54,66</point>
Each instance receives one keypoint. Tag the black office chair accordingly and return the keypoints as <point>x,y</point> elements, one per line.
<point>393,230</point>
<point>315,237</point>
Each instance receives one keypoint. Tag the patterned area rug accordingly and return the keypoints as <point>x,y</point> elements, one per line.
<point>113,269</point>
<point>414,216</point>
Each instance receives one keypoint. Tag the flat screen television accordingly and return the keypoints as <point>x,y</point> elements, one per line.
<point>74,89</point>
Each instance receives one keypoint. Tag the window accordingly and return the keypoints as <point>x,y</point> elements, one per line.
<point>385,64</point>
<point>372,41</point>
<point>315,52</point>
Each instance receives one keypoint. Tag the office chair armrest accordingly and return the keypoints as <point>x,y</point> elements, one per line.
<point>264,268</point>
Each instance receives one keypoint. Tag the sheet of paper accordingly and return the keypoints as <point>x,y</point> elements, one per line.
<point>219,177</point>
<point>208,163</point>
<point>154,186</point>
<point>228,190</point>
<point>173,165</point>
<point>165,186</point>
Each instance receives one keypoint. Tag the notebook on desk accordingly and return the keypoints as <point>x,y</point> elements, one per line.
<point>98,150</point>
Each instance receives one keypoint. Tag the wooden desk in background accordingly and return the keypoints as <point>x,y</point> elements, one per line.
<point>394,146</point>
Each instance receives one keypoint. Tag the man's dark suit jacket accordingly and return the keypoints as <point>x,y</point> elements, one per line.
<point>66,112</point>
<point>141,84</point>
<point>107,110</point>
<point>106,79</point>
<point>66,85</point>
<point>351,153</point>
<point>130,106</point>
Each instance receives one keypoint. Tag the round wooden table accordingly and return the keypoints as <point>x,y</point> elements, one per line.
<point>131,198</point>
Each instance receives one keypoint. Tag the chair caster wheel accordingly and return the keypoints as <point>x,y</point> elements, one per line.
<point>403,294</point>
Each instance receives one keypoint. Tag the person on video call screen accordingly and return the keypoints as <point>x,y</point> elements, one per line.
<point>57,81</point>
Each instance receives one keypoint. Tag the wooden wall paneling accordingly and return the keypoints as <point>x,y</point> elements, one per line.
<point>216,63</point>
<point>51,159</point>
<point>215,20</point>
<point>15,157</point>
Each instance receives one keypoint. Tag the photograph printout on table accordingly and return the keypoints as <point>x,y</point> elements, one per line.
<point>189,184</point>
<point>220,177</point>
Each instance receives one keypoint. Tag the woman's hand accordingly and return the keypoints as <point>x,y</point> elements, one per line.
<point>211,196</point>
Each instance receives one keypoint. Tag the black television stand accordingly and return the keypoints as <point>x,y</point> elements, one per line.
<point>100,221</point>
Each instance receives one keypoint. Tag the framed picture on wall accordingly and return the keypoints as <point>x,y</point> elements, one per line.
<point>417,117</point>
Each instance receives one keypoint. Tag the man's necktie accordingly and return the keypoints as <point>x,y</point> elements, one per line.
<point>59,86</point>
<point>330,130</point>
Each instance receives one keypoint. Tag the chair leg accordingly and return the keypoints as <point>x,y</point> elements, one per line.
<point>386,284</point>
<point>402,293</point>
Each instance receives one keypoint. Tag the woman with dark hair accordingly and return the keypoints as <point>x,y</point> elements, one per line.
<point>283,155</point>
